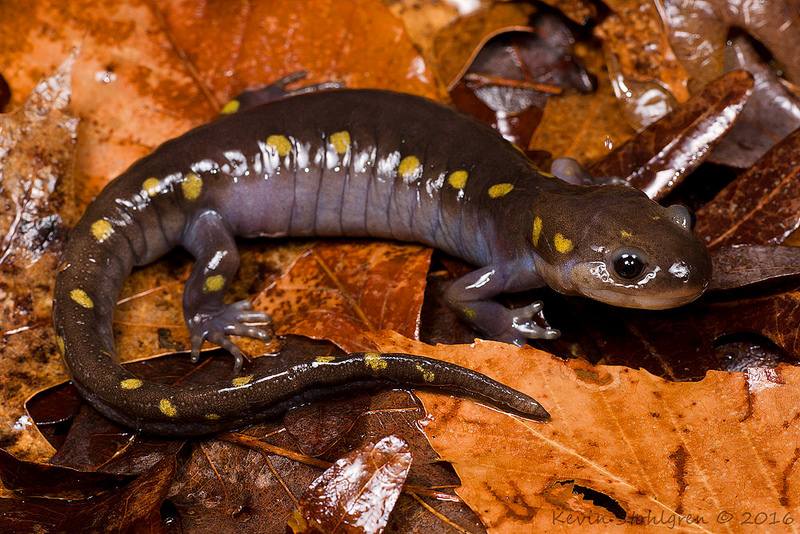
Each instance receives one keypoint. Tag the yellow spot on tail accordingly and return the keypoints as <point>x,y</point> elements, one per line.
<point>537,230</point>
<point>625,233</point>
<point>80,296</point>
<point>324,359</point>
<point>214,283</point>
<point>102,230</point>
<point>341,141</point>
<point>167,408</point>
<point>241,381</point>
<point>191,185</point>
<point>427,374</point>
<point>546,174</point>
<point>410,169</point>
<point>280,143</point>
<point>212,416</point>
<point>469,313</point>
<point>375,361</point>
<point>60,345</point>
<point>231,107</point>
<point>562,244</point>
<point>131,383</point>
<point>458,179</point>
<point>499,190</point>
<point>151,186</point>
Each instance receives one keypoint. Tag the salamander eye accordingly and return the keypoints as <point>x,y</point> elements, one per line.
<point>628,265</point>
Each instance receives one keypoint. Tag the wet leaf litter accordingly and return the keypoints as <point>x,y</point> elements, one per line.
<point>745,328</point>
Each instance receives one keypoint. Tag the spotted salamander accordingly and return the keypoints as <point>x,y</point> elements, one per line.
<point>362,163</point>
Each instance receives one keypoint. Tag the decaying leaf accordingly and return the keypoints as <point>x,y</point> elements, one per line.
<point>762,206</point>
<point>667,151</point>
<point>648,78</point>
<point>510,77</point>
<point>741,265</point>
<point>134,507</point>
<point>37,143</point>
<point>772,113</point>
<point>660,450</point>
<point>358,492</point>
<point>332,292</point>
<point>698,32</point>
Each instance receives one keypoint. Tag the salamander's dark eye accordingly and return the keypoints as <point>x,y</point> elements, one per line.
<point>628,265</point>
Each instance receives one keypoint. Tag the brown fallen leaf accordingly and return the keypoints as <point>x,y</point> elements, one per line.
<point>668,150</point>
<point>135,507</point>
<point>741,265</point>
<point>698,32</point>
<point>658,452</point>
<point>647,76</point>
<point>339,293</point>
<point>456,45</point>
<point>508,80</point>
<point>762,206</point>
<point>358,492</point>
<point>37,143</point>
<point>772,113</point>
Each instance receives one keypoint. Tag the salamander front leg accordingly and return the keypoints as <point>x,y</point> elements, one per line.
<point>471,298</point>
<point>211,242</point>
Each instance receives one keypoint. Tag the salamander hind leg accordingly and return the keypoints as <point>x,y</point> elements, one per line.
<point>208,317</point>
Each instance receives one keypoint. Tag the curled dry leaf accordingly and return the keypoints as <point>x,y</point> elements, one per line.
<point>358,492</point>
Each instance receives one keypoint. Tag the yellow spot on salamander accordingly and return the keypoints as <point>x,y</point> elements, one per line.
<point>80,296</point>
<point>102,230</point>
<point>231,107</point>
<point>60,345</point>
<point>656,217</point>
<point>562,244</point>
<point>212,416</point>
<point>410,169</point>
<point>280,143</point>
<point>458,179</point>
<point>241,381</point>
<point>341,141</point>
<point>167,408</point>
<point>375,361</point>
<point>131,383</point>
<point>151,186</point>
<point>469,313</point>
<point>537,231</point>
<point>625,233</point>
<point>214,283</point>
<point>191,185</point>
<point>427,374</point>
<point>499,190</point>
<point>324,359</point>
<point>546,174</point>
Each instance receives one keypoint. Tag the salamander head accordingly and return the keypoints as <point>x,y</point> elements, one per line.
<point>626,250</point>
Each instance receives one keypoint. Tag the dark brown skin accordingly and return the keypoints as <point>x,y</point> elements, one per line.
<point>353,163</point>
